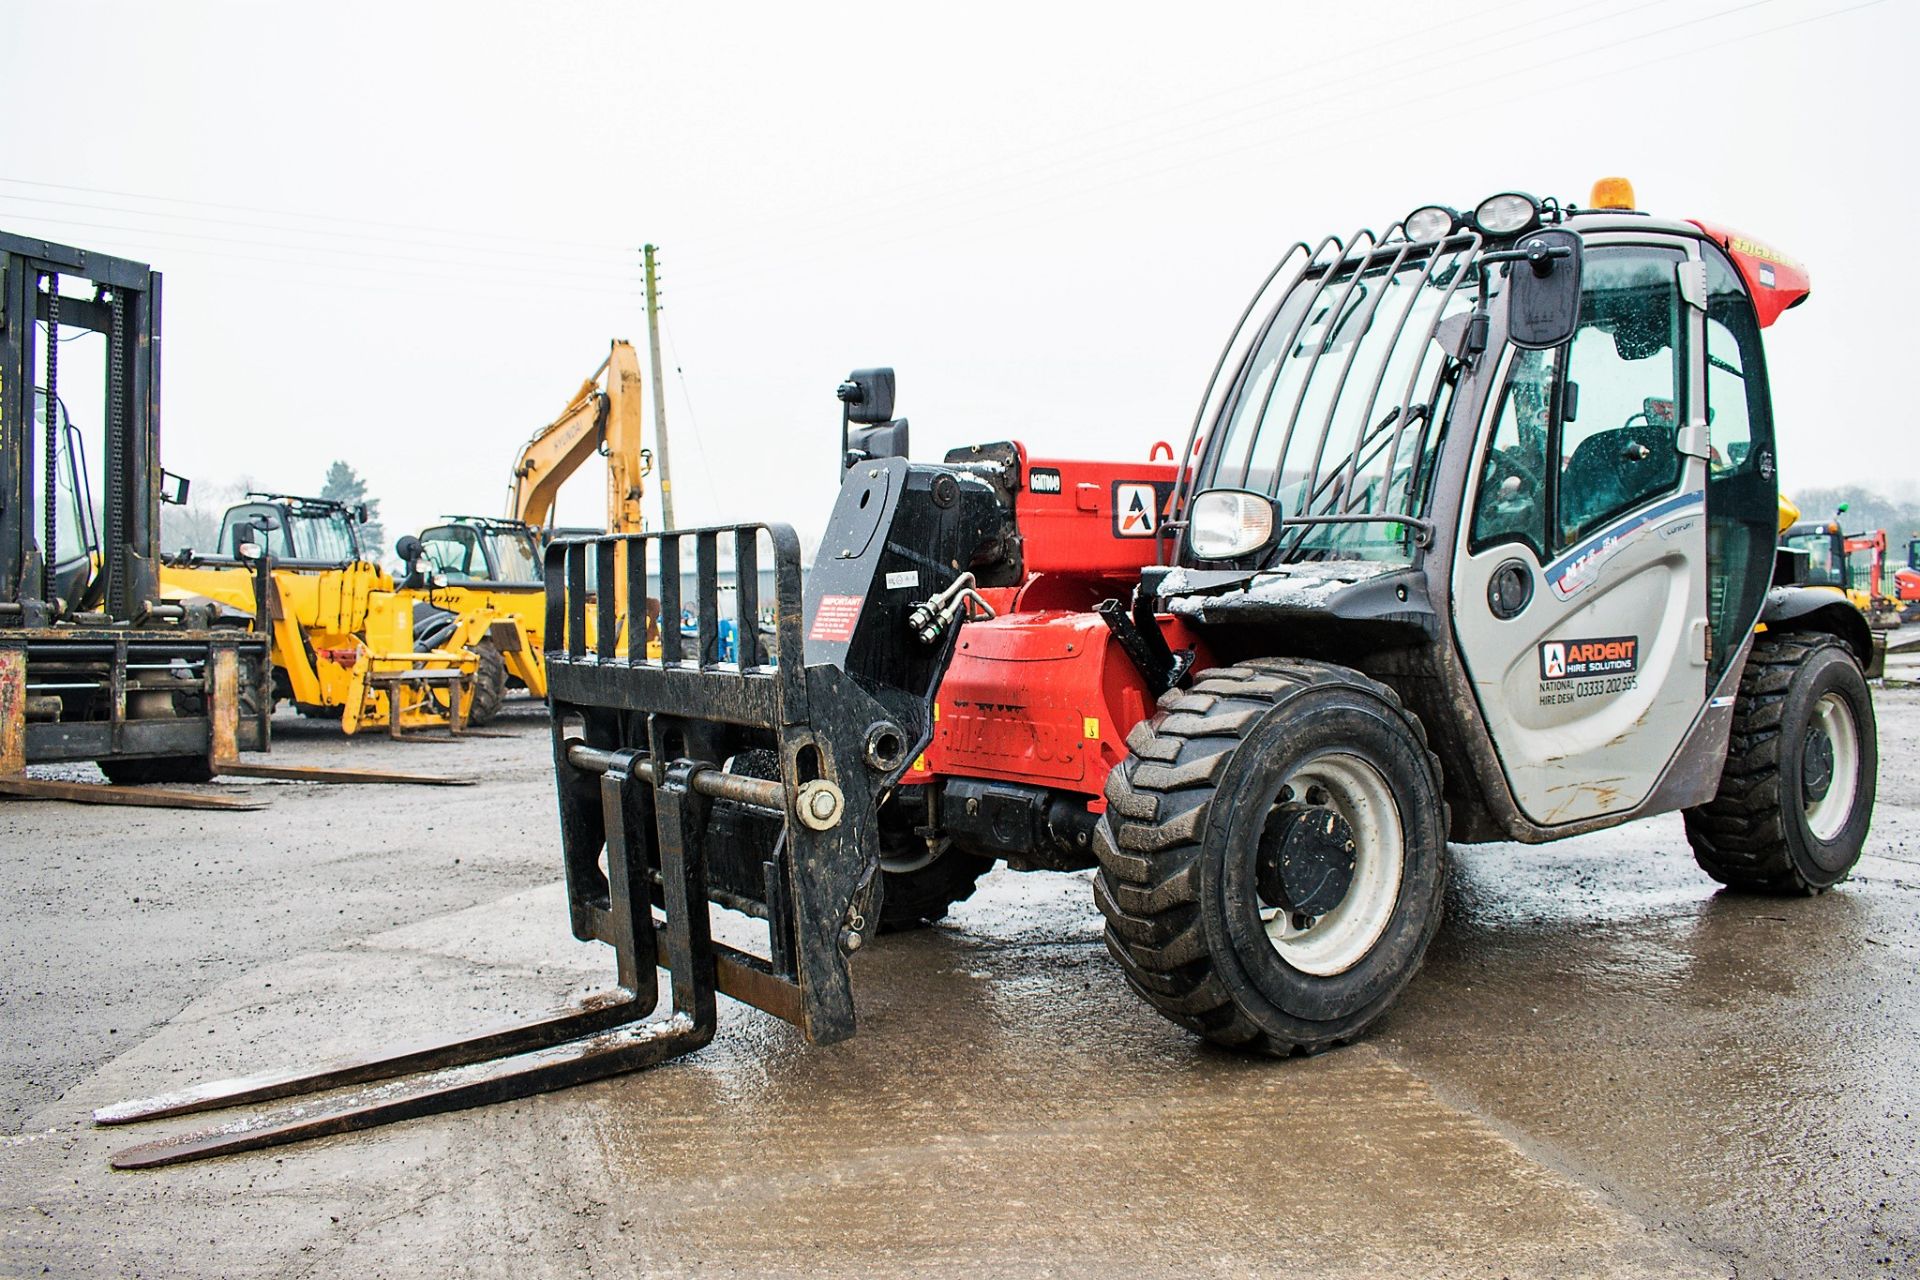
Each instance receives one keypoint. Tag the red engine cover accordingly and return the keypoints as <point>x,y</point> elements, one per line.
<point>1042,698</point>
<point>1091,518</point>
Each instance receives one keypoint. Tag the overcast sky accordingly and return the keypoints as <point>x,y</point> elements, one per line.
<point>401,234</point>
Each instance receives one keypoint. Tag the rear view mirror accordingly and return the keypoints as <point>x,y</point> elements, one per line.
<point>407,548</point>
<point>173,488</point>
<point>868,395</point>
<point>246,544</point>
<point>1543,289</point>
<point>360,513</point>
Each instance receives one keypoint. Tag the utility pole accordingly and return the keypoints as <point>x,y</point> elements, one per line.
<point>659,393</point>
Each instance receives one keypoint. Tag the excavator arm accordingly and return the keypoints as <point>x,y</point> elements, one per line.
<point>603,416</point>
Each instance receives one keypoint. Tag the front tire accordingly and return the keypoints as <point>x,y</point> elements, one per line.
<point>489,683</point>
<point>1273,855</point>
<point>1796,796</point>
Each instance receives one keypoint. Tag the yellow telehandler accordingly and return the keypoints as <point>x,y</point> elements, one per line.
<point>344,641</point>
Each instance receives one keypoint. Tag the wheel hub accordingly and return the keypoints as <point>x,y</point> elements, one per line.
<point>1816,765</point>
<point>1306,860</point>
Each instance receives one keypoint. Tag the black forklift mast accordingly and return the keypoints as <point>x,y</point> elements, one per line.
<point>126,308</point>
<point>98,668</point>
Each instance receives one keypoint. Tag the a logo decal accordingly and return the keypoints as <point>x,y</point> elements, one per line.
<point>1580,659</point>
<point>1043,480</point>
<point>1136,508</point>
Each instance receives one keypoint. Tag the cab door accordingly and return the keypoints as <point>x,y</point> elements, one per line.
<point>1580,580</point>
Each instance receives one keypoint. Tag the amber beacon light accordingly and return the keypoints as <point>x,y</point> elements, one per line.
<point>1612,193</point>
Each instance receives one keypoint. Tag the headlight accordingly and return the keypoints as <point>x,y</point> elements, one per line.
<point>1226,524</point>
<point>1506,214</point>
<point>1430,222</point>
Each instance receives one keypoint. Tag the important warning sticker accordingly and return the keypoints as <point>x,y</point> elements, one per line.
<point>1582,659</point>
<point>836,618</point>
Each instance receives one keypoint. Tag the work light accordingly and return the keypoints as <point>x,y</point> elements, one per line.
<point>1430,222</point>
<point>1226,524</point>
<point>1507,214</point>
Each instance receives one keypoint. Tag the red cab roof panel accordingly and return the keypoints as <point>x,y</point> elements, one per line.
<point>1774,280</point>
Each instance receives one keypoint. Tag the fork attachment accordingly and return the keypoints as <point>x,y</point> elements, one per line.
<point>737,765</point>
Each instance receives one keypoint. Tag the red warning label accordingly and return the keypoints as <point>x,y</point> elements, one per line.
<point>836,618</point>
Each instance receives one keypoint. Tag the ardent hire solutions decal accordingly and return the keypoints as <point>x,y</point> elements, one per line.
<point>1572,669</point>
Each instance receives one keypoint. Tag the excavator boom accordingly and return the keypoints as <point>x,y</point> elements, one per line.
<point>604,416</point>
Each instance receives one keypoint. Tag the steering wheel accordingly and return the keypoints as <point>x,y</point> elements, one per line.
<point>1505,466</point>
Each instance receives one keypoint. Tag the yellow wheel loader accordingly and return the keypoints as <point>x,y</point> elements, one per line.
<point>344,641</point>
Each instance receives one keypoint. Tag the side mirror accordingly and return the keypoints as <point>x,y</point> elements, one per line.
<point>173,488</point>
<point>246,544</point>
<point>360,513</point>
<point>888,440</point>
<point>407,548</point>
<point>868,395</point>
<point>1543,289</point>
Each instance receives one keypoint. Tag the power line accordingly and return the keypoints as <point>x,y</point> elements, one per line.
<point>322,249</point>
<point>295,213</point>
<point>1309,132</point>
<point>146,250</point>
<point>945,181</point>
<point>699,443</point>
<point>252,224</point>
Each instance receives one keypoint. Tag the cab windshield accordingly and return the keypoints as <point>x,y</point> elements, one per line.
<point>482,553</point>
<point>1826,566</point>
<point>1336,413</point>
<point>317,535</point>
<point>75,526</point>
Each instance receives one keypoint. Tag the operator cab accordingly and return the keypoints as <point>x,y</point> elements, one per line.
<point>76,522</point>
<point>1826,551</point>
<point>294,531</point>
<point>1526,452</point>
<point>476,549</point>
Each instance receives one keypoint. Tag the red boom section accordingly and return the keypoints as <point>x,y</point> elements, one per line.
<point>1043,694</point>
<point>1774,281</point>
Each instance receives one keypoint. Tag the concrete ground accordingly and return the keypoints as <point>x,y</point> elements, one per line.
<point>1606,1068</point>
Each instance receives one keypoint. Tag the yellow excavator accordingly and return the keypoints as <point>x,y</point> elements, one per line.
<point>487,565</point>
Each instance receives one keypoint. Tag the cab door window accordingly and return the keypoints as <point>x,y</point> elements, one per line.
<point>455,552</point>
<point>1512,502</point>
<point>1624,397</point>
<point>1742,498</point>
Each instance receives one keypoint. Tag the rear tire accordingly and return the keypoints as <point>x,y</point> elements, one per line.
<point>1184,885</point>
<point>489,683</point>
<point>1796,796</point>
<point>158,770</point>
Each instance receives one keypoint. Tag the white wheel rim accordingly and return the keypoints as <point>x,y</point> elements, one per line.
<point>1339,940</point>
<point>1825,816</point>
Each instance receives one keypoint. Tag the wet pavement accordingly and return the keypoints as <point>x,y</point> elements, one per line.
<point>1606,1068</point>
